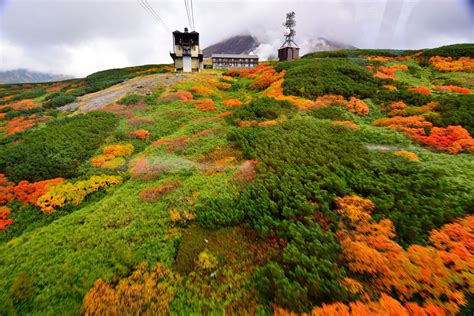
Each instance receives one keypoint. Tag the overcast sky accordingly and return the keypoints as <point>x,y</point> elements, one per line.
<point>78,37</point>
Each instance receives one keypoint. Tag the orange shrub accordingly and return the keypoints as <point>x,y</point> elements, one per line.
<point>357,106</point>
<point>140,121</point>
<point>154,194</point>
<point>206,132</point>
<point>437,274</point>
<point>421,90</point>
<point>448,64</point>
<point>402,123</point>
<point>147,291</point>
<point>452,139</point>
<point>4,221</point>
<point>140,134</point>
<point>232,103</point>
<point>23,105</point>
<point>112,157</point>
<point>407,154</point>
<point>162,141</point>
<point>247,171</point>
<point>205,105</point>
<point>397,108</point>
<point>29,193</point>
<point>348,124</point>
<point>179,143</point>
<point>390,87</point>
<point>328,100</point>
<point>119,150</point>
<point>276,91</point>
<point>386,306</point>
<point>20,123</point>
<point>227,79</point>
<point>6,190</point>
<point>74,193</point>
<point>201,90</point>
<point>223,86</point>
<point>227,162</point>
<point>224,114</point>
<point>453,89</point>
<point>184,95</point>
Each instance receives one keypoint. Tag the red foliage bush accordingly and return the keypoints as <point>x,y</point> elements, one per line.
<point>4,221</point>
<point>179,143</point>
<point>437,273</point>
<point>140,121</point>
<point>452,139</point>
<point>232,103</point>
<point>154,194</point>
<point>162,141</point>
<point>140,134</point>
<point>205,105</point>
<point>6,190</point>
<point>20,123</point>
<point>184,95</point>
<point>247,171</point>
<point>146,169</point>
<point>29,193</point>
<point>421,89</point>
<point>453,89</point>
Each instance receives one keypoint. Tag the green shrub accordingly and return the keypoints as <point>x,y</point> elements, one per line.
<point>29,94</point>
<point>219,212</point>
<point>260,110</point>
<point>455,110</point>
<point>130,99</point>
<point>354,53</point>
<point>333,113</point>
<point>24,112</point>
<point>455,51</point>
<point>310,275</point>
<point>59,100</point>
<point>58,149</point>
<point>312,78</point>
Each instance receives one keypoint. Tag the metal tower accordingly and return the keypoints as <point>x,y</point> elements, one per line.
<point>289,50</point>
<point>290,24</point>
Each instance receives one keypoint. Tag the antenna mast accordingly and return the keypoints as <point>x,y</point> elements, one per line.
<point>289,50</point>
<point>290,24</point>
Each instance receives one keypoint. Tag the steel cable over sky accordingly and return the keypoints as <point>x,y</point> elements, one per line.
<point>188,12</point>
<point>192,15</point>
<point>147,7</point>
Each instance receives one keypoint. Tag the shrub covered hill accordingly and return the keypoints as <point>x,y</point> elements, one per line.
<point>338,184</point>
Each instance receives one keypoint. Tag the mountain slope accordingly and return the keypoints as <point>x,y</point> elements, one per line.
<point>232,193</point>
<point>27,76</point>
<point>241,44</point>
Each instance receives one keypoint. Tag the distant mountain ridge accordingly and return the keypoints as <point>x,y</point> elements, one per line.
<point>323,44</point>
<point>246,44</point>
<point>241,44</point>
<point>27,76</point>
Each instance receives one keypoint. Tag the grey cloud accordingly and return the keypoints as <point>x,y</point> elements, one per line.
<point>82,36</point>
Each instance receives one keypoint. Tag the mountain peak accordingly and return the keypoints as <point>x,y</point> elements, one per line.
<point>240,44</point>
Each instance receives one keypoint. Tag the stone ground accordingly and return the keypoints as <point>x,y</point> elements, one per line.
<point>138,85</point>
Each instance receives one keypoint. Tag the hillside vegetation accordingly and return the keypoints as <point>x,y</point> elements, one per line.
<point>338,184</point>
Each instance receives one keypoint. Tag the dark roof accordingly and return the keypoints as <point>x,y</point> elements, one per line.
<point>234,56</point>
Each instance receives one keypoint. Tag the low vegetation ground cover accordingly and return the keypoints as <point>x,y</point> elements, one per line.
<point>327,185</point>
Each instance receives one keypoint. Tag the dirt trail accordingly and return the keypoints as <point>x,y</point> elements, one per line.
<point>139,85</point>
